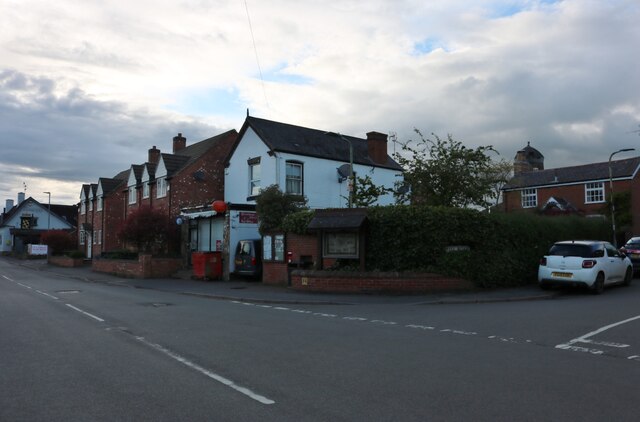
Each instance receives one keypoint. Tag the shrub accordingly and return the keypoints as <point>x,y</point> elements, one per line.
<point>75,254</point>
<point>120,254</point>
<point>58,241</point>
<point>150,230</point>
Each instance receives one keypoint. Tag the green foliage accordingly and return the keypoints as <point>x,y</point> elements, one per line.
<point>443,172</point>
<point>75,254</point>
<point>504,249</point>
<point>150,230</point>
<point>622,201</point>
<point>297,222</point>
<point>59,241</point>
<point>272,206</point>
<point>366,193</point>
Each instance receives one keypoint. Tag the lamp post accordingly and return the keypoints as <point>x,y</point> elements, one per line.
<point>351,184</point>
<point>49,212</point>
<point>613,206</point>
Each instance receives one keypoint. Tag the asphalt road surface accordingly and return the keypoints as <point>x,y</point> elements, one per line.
<point>78,351</point>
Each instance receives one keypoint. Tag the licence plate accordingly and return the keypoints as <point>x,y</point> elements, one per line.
<point>564,275</point>
<point>634,255</point>
<point>238,261</point>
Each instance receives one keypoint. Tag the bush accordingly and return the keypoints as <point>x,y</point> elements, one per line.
<point>120,254</point>
<point>75,254</point>
<point>297,222</point>
<point>150,230</point>
<point>59,241</point>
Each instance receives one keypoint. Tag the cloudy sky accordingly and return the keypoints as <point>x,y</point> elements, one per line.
<point>86,87</point>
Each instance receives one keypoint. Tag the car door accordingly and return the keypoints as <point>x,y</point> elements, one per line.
<point>615,263</point>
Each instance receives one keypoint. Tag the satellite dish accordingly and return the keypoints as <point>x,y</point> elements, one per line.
<point>344,171</point>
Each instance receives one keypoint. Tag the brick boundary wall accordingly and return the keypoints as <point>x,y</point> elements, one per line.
<point>65,261</point>
<point>145,267</point>
<point>375,282</point>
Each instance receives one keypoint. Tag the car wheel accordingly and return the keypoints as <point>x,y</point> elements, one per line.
<point>627,277</point>
<point>598,286</point>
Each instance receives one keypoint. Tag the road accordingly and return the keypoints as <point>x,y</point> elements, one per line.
<point>73,350</point>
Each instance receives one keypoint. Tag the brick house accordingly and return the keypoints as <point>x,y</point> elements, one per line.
<point>188,177</point>
<point>582,190</point>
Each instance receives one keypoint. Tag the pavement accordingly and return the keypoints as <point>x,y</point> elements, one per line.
<point>256,292</point>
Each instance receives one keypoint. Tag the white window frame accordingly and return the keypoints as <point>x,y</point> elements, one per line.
<point>161,190</point>
<point>99,205</point>
<point>254,182</point>
<point>83,207</point>
<point>83,235</point>
<point>594,193</point>
<point>99,237</point>
<point>294,179</point>
<point>132,195</point>
<point>529,198</point>
<point>145,190</point>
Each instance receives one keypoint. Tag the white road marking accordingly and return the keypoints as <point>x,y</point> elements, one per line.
<point>585,338</point>
<point>280,308</point>
<point>247,392</point>
<point>24,285</point>
<point>422,327</point>
<point>47,294</point>
<point>605,343</point>
<point>86,313</point>
<point>634,357</point>
<point>353,318</point>
<point>4,276</point>
<point>325,315</point>
<point>379,321</point>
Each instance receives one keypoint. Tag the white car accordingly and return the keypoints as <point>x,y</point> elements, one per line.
<point>594,264</point>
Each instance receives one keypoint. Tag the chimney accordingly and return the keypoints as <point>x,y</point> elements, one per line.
<point>179,142</point>
<point>154,154</point>
<point>377,147</point>
<point>20,197</point>
<point>8,205</point>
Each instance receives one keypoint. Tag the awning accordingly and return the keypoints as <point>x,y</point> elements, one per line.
<point>198,214</point>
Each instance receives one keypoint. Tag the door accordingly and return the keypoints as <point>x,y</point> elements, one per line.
<point>617,266</point>
<point>89,242</point>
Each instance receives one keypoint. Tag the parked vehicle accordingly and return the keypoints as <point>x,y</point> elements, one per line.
<point>632,250</point>
<point>588,263</point>
<point>248,259</point>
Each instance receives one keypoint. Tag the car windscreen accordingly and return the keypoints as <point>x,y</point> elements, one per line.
<point>632,245</point>
<point>583,251</point>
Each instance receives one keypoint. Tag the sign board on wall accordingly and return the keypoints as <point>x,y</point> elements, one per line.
<point>248,217</point>
<point>37,249</point>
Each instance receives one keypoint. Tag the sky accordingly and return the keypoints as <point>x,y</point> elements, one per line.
<point>87,87</point>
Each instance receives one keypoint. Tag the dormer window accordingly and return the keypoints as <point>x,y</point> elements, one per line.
<point>99,204</point>
<point>145,190</point>
<point>161,188</point>
<point>132,195</point>
<point>83,207</point>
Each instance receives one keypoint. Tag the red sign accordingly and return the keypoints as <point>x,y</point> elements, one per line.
<point>248,218</point>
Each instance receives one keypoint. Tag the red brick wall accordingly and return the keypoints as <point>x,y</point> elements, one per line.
<point>144,267</point>
<point>65,261</point>
<point>275,273</point>
<point>350,282</point>
<point>575,194</point>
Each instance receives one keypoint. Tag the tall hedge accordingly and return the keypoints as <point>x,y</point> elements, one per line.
<point>503,249</point>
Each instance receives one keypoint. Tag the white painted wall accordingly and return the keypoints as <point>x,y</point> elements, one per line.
<point>320,176</point>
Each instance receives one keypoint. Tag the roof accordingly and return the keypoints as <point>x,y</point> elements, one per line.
<point>182,158</point>
<point>68,213</point>
<point>137,171</point>
<point>620,169</point>
<point>109,185</point>
<point>349,218</point>
<point>283,137</point>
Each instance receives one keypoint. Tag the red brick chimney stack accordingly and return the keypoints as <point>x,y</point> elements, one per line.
<point>377,147</point>
<point>154,155</point>
<point>179,142</point>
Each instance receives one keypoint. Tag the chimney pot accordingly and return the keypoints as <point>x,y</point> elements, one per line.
<point>154,155</point>
<point>8,205</point>
<point>20,197</point>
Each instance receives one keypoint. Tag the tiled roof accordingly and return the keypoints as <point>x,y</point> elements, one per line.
<point>137,171</point>
<point>173,162</point>
<point>184,157</point>
<point>620,169</point>
<point>300,140</point>
<point>109,185</point>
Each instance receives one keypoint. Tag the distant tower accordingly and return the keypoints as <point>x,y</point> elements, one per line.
<point>527,159</point>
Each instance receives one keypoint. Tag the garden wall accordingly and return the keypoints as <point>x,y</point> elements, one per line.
<point>145,267</point>
<point>65,261</point>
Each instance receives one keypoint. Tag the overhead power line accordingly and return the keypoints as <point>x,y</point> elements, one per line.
<point>255,49</point>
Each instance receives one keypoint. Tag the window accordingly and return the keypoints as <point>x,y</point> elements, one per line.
<point>82,236</point>
<point>99,237</point>
<point>83,207</point>
<point>145,190</point>
<point>99,203</point>
<point>294,178</point>
<point>341,245</point>
<point>132,195</point>
<point>594,192</point>
<point>94,237</point>
<point>254,176</point>
<point>161,190</point>
<point>529,198</point>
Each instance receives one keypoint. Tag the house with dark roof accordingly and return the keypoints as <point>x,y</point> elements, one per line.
<point>301,161</point>
<point>583,190</point>
<point>24,223</point>
<point>189,177</point>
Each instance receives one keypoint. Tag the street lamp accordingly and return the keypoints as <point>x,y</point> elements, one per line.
<point>613,206</point>
<point>351,181</point>
<point>49,212</point>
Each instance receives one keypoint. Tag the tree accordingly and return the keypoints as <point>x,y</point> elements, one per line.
<point>366,193</point>
<point>272,205</point>
<point>443,172</point>
<point>500,173</point>
<point>59,241</point>
<point>150,230</point>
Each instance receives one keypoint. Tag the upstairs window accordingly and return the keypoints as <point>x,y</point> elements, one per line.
<point>99,205</point>
<point>594,193</point>
<point>254,176</point>
<point>294,180</point>
<point>145,190</point>
<point>161,187</point>
<point>132,195</point>
<point>83,207</point>
<point>529,198</point>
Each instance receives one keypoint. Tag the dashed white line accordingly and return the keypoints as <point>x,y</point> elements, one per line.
<point>24,285</point>
<point>85,313</point>
<point>47,294</point>
<point>5,277</point>
<point>247,392</point>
